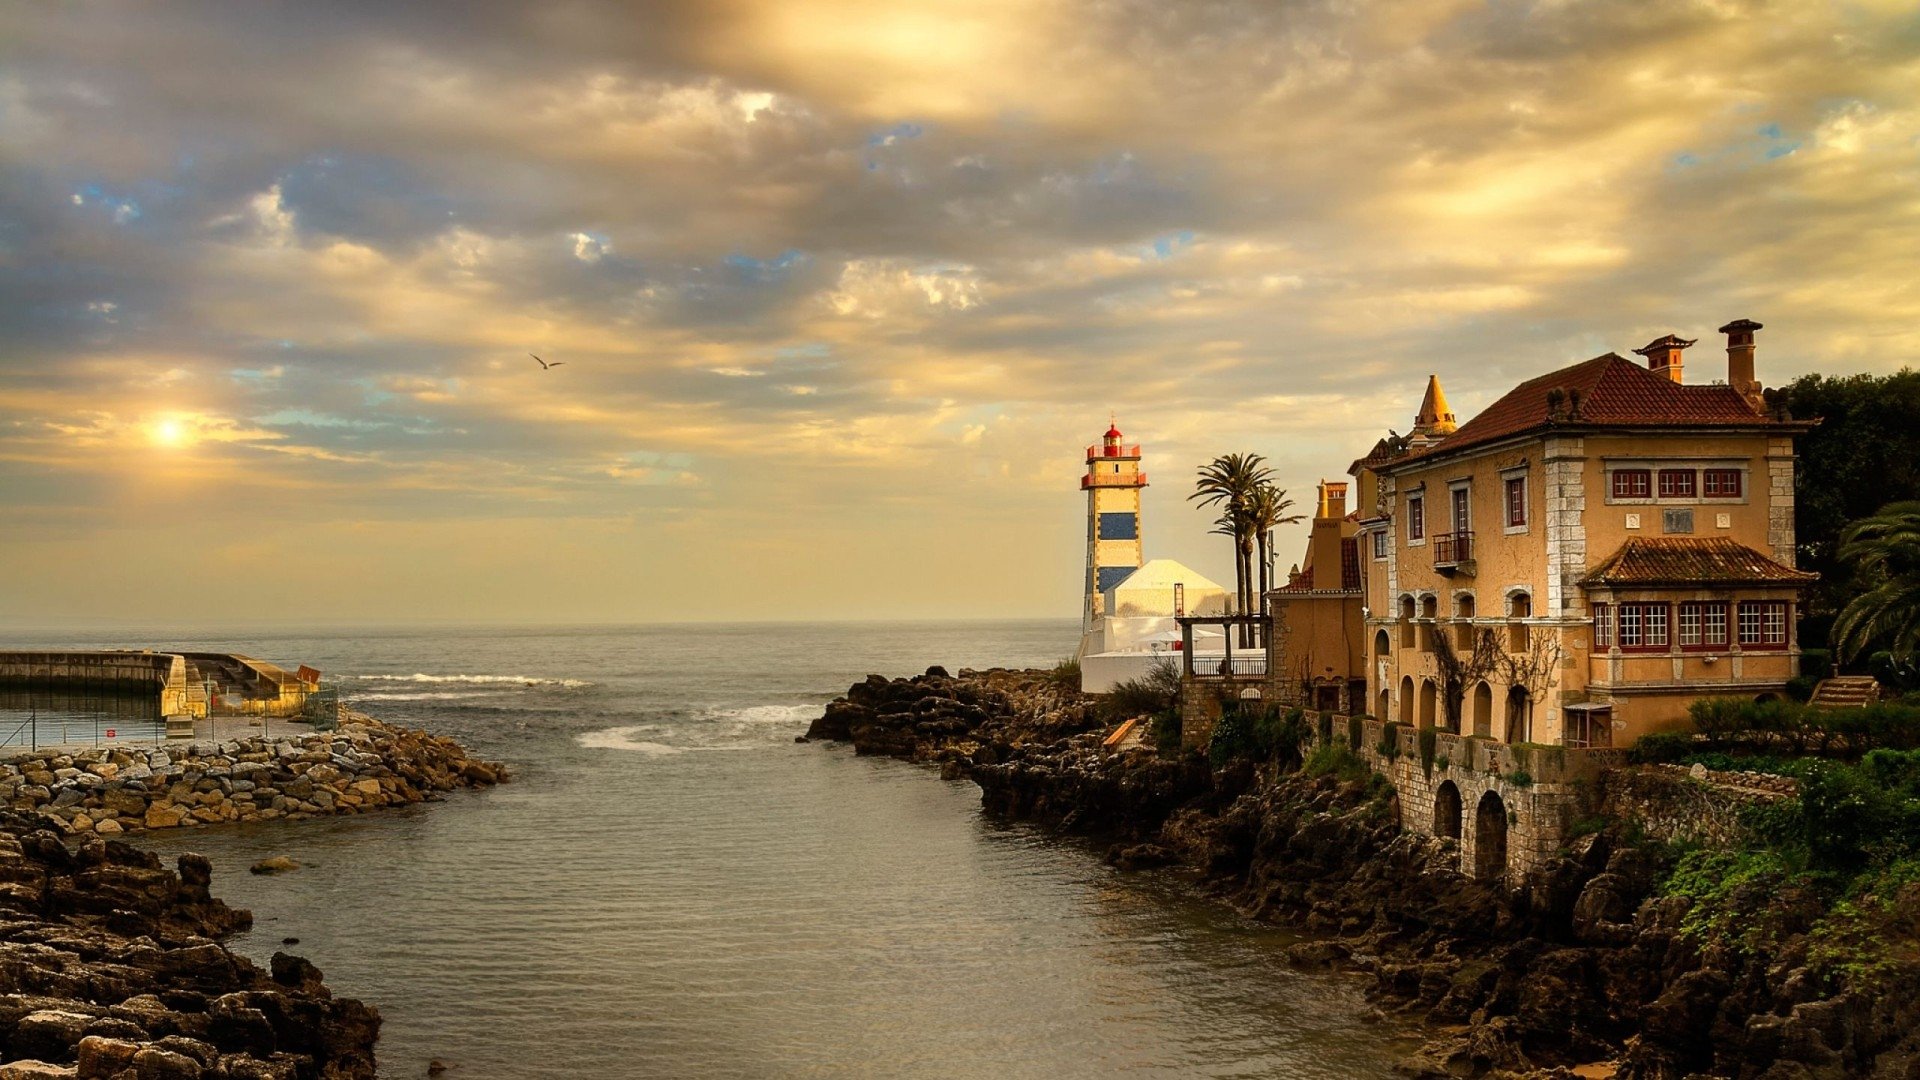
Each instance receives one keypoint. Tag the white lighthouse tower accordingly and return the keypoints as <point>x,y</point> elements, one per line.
<point>1112,482</point>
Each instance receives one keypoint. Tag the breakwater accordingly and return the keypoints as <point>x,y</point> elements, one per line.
<point>113,969</point>
<point>362,765</point>
<point>1588,960</point>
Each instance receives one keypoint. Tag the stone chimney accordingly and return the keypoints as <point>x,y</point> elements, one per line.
<point>1333,498</point>
<point>1740,359</point>
<point>1663,355</point>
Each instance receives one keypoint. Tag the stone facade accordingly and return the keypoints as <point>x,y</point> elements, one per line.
<point>1510,807</point>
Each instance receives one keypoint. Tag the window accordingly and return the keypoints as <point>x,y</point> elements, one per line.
<point>1677,483</point>
<point>1722,483</point>
<point>1703,624</point>
<point>1462,515</point>
<point>1416,518</point>
<point>1380,544</point>
<point>1516,502</point>
<point>1643,626</point>
<point>1763,624</point>
<point>1632,483</point>
<point>1602,626</point>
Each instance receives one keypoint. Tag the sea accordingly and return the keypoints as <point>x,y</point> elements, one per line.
<point>671,886</point>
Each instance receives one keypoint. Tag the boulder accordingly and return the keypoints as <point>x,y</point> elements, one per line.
<point>278,864</point>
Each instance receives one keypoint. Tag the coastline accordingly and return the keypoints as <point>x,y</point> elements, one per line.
<point>1588,969</point>
<point>116,966</point>
<point>362,765</point>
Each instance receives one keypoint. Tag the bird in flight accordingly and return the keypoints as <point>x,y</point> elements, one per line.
<point>544,365</point>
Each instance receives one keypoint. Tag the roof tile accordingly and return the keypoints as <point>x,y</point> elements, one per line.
<point>1611,391</point>
<point>1687,560</point>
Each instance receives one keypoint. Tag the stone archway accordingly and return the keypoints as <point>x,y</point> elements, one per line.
<point>1446,810</point>
<point>1429,702</point>
<point>1490,838</point>
<point>1382,644</point>
<point>1385,707</point>
<point>1483,711</point>
<point>1406,699</point>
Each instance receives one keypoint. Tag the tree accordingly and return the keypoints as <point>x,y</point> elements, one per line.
<point>1864,453</point>
<point>1882,554</point>
<point>1229,482</point>
<point>1267,511</point>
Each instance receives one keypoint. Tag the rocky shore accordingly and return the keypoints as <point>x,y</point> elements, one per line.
<point>110,967</point>
<point>1590,968</point>
<point>362,765</point>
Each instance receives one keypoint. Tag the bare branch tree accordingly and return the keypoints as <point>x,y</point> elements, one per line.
<point>1458,672</point>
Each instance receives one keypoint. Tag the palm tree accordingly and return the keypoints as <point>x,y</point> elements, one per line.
<point>1229,481</point>
<point>1884,550</point>
<point>1267,511</point>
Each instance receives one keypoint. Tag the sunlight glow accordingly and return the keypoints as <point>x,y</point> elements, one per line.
<point>170,432</point>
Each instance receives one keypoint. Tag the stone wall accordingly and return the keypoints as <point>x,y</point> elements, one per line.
<point>363,765</point>
<point>1509,806</point>
<point>1696,804</point>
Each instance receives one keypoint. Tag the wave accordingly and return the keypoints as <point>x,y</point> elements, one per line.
<point>630,738</point>
<point>769,714</point>
<point>500,680</point>
<point>424,695</point>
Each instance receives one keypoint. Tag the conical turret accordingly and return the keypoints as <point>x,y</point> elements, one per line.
<point>1435,418</point>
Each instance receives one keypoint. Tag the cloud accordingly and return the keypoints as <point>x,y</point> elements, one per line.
<point>879,269</point>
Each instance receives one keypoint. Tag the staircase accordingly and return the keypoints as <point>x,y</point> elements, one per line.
<point>1846,692</point>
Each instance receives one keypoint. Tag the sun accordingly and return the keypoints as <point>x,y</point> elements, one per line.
<point>169,432</point>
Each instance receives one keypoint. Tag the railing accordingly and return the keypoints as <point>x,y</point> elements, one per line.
<point>1112,451</point>
<point>1215,666</point>
<point>1452,549</point>
<point>1138,479</point>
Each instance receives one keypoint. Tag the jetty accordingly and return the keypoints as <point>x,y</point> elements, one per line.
<point>184,686</point>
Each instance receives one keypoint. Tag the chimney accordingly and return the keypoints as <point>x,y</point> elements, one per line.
<point>1333,498</point>
<point>1740,359</point>
<point>1663,356</point>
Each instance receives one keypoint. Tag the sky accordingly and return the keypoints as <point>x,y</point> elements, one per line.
<point>841,290</point>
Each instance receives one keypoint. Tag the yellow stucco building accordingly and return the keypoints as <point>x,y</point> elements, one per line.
<point>1578,563</point>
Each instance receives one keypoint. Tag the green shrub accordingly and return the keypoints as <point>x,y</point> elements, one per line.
<point>1663,747</point>
<point>1800,688</point>
<point>1429,739</point>
<point>1356,730</point>
<point>1816,664</point>
<point>1066,675</point>
<point>1520,778</point>
<point>1149,695</point>
<point>1333,759</point>
<point>1165,733</point>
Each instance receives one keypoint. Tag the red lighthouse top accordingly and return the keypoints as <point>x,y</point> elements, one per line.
<point>1113,434</point>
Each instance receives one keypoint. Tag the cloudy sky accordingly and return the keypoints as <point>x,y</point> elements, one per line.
<point>842,288</point>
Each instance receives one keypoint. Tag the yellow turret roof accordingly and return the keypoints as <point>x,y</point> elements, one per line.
<point>1435,418</point>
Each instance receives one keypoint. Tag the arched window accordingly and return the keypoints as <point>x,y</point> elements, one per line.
<point>1490,838</point>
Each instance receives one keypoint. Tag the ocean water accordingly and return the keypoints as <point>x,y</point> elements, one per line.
<point>672,887</point>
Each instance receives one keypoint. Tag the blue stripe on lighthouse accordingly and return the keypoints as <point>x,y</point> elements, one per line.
<point>1121,526</point>
<point>1109,576</point>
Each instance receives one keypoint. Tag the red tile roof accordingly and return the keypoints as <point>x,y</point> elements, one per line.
<point>1687,560</point>
<point>1606,391</point>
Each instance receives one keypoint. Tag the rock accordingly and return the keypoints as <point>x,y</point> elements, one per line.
<point>99,1058</point>
<point>28,1069</point>
<point>108,827</point>
<point>277,864</point>
<point>160,816</point>
<point>436,1067</point>
<point>153,1063</point>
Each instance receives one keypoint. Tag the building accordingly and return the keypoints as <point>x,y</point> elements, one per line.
<point>1318,634</point>
<point>1594,551</point>
<point>1131,603</point>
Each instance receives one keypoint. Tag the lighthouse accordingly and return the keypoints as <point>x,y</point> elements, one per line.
<point>1112,482</point>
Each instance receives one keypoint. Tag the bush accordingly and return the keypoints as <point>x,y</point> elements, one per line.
<point>1156,692</point>
<point>1663,747</point>
<point>1258,735</point>
<point>1165,731</point>
<point>1334,759</point>
<point>1816,664</point>
<point>1356,730</point>
<point>1066,675</point>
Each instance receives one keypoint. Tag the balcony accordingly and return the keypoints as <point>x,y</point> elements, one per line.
<point>1453,551</point>
<point>1113,480</point>
<point>1097,451</point>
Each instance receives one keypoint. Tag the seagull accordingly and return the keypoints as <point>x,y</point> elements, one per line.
<point>544,365</point>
